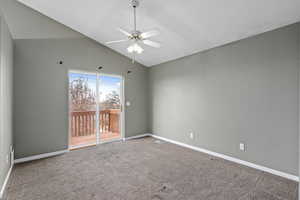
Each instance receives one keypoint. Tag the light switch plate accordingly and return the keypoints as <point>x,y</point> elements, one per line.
<point>242,146</point>
<point>192,135</point>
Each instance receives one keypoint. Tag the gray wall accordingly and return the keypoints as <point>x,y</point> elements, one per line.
<point>40,107</point>
<point>26,23</point>
<point>243,92</point>
<point>6,71</point>
<point>41,90</point>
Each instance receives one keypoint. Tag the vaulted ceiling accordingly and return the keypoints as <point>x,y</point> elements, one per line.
<point>186,27</point>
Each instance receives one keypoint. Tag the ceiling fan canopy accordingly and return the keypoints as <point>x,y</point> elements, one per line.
<point>137,37</point>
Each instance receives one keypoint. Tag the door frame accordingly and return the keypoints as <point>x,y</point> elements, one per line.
<point>121,121</point>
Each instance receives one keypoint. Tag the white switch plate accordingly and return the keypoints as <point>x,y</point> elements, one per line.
<point>242,146</point>
<point>192,135</point>
<point>128,103</point>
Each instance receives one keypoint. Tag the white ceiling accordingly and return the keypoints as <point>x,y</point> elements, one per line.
<point>186,27</point>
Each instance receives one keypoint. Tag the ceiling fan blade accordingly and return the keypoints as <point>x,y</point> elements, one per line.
<point>148,34</point>
<point>116,41</point>
<point>124,32</point>
<point>151,43</point>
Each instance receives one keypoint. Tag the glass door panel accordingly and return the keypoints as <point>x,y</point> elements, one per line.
<point>110,93</point>
<point>82,109</point>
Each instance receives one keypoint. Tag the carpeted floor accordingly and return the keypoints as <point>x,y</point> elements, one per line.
<point>143,169</point>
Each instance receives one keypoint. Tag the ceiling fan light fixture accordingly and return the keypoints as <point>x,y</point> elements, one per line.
<point>136,36</point>
<point>135,48</point>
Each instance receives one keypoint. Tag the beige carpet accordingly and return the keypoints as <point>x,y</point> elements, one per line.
<point>143,169</point>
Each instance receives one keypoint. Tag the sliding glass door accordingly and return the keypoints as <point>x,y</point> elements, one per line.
<point>95,103</point>
<point>110,107</point>
<point>82,109</point>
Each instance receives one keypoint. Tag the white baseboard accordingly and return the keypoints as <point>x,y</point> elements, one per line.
<point>137,136</point>
<point>40,156</point>
<point>46,155</point>
<point>242,162</point>
<point>5,182</point>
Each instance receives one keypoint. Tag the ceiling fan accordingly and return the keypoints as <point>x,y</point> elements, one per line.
<point>136,36</point>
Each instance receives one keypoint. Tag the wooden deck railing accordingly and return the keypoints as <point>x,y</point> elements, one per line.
<point>84,123</point>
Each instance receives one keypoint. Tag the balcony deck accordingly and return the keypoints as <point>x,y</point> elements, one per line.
<point>83,127</point>
<point>90,139</point>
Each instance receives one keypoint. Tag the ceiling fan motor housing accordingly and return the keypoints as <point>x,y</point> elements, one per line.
<point>136,35</point>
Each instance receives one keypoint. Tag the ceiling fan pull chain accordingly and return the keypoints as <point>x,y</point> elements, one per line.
<point>133,58</point>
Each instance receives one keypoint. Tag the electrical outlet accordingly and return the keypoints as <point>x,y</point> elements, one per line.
<point>242,146</point>
<point>12,155</point>
<point>192,135</point>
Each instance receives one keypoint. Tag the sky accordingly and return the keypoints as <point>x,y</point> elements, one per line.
<point>107,84</point>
